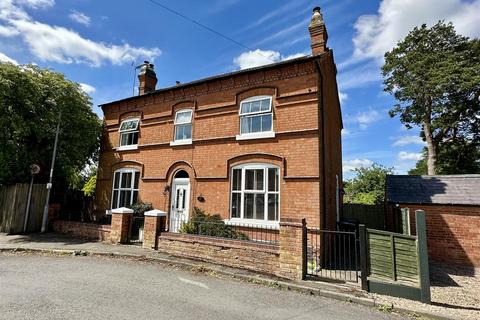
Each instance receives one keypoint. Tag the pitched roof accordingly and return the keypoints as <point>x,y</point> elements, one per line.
<point>220,76</point>
<point>451,189</point>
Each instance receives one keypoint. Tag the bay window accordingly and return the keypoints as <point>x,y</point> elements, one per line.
<point>255,193</point>
<point>125,188</point>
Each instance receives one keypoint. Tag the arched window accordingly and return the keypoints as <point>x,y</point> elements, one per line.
<point>255,192</point>
<point>125,187</point>
<point>183,125</point>
<point>256,115</point>
<point>129,133</point>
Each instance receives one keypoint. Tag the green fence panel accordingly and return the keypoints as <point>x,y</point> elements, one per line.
<point>372,216</point>
<point>394,263</point>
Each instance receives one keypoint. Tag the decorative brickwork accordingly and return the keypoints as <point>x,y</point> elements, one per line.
<point>92,231</point>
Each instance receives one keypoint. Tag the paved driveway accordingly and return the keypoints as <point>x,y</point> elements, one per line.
<point>50,287</point>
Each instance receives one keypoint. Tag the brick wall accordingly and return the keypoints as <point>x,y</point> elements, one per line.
<point>262,258</point>
<point>295,148</point>
<point>90,231</point>
<point>453,232</point>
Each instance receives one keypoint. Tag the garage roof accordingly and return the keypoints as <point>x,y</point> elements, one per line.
<point>441,189</point>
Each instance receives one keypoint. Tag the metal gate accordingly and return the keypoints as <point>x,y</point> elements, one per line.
<point>332,254</point>
<point>136,229</point>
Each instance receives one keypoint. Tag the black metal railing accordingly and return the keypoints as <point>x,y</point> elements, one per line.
<point>332,254</point>
<point>238,231</point>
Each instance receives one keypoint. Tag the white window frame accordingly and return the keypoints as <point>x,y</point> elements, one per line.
<point>128,131</point>
<point>119,189</point>
<point>176,124</point>
<point>260,134</point>
<point>265,191</point>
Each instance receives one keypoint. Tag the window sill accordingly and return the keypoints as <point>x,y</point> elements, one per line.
<point>108,212</point>
<point>181,142</point>
<point>274,225</point>
<point>130,147</point>
<point>256,135</point>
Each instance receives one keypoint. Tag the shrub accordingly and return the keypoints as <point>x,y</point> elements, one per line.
<point>139,208</point>
<point>203,223</point>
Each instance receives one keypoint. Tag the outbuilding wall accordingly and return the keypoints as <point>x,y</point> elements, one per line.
<point>453,232</point>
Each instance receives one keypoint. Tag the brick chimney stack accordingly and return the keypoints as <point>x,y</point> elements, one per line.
<point>318,33</point>
<point>147,78</point>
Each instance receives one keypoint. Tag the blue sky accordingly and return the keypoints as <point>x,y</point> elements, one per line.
<point>95,42</point>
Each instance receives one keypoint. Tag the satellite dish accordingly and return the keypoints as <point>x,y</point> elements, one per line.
<point>34,169</point>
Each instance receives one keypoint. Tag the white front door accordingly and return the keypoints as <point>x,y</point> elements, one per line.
<point>180,203</point>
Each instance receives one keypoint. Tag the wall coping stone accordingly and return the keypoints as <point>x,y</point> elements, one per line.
<point>155,213</point>
<point>122,210</point>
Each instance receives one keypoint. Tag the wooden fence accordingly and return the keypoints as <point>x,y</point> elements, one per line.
<point>394,263</point>
<point>372,216</point>
<point>13,204</point>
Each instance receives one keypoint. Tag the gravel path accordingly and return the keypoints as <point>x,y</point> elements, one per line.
<point>455,293</point>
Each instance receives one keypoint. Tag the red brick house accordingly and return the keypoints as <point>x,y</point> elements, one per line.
<point>452,209</point>
<point>256,145</point>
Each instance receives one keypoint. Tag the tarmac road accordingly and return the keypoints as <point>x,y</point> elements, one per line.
<point>66,287</point>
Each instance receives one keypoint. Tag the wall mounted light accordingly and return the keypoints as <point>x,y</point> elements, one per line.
<point>166,189</point>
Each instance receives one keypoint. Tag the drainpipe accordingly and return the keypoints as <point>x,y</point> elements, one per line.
<point>321,121</point>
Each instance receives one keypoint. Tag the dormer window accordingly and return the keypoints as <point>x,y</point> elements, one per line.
<point>256,118</point>
<point>183,127</point>
<point>129,134</point>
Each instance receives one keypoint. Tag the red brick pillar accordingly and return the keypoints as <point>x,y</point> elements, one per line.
<point>152,227</point>
<point>120,230</point>
<point>291,248</point>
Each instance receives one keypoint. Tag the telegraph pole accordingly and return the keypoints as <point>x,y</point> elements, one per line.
<point>49,184</point>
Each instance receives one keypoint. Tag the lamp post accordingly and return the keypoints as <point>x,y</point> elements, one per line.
<point>49,184</point>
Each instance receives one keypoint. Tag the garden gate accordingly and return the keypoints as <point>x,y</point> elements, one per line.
<point>331,254</point>
<point>396,264</point>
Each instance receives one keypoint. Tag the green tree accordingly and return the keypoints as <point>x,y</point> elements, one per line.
<point>459,157</point>
<point>30,101</point>
<point>368,186</point>
<point>434,74</point>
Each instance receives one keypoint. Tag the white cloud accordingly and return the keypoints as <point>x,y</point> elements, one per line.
<point>79,17</point>
<point>407,140</point>
<point>403,155</point>
<point>5,58</point>
<point>259,57</point>
<point>351,165</point>
<point>378,33</point>
<point>88,89</point>
<point>8,31</point>
<point>364,119</point>
<point>36,3</point>
<point>345,132</point>
<point>62,45</point>
<point>360,76</point>
<point>342,96</point>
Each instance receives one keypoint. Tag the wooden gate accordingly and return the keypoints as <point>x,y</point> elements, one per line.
<point>394,263</point>
<point>13,203</point>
